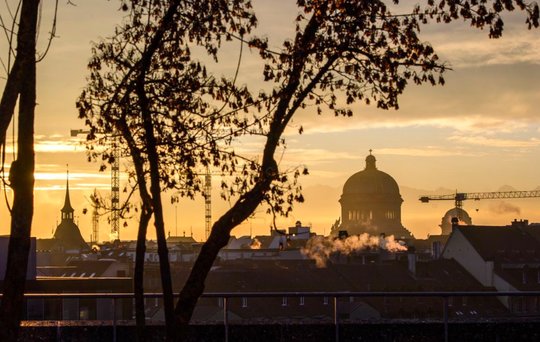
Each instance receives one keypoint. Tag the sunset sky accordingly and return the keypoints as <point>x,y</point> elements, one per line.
<point>480,132</point>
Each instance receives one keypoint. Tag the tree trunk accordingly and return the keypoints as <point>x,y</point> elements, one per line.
<point>146,214</point>
<point>219,237</point>
<point>138,277</point>
<point>153,160</point>
<point>155,189</point>
<point>21,178</point>
<point>248,202</point>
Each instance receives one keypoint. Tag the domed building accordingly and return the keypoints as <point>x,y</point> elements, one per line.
<point>371,203</point>
<point>446,221</point>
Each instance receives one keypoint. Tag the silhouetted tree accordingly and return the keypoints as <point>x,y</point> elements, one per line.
<point>145,89</point>
<point>20,86</point>
<point>343,51</point>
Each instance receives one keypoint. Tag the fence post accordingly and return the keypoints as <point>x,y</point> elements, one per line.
<point>114,319</point>
<point>226,319</point>
<point>336,323</point>
<point>445,317</point>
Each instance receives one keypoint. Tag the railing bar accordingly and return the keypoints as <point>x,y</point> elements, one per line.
<point>114,319</point>
<point>295,294</point>
<point>336,323</point>
<point>445,318</point>
<point>226,318</point>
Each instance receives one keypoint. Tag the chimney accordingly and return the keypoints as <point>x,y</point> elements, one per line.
<point>411,258</point>
<point>520,223</point>
<point>343,234</point>
<point>455,223</point>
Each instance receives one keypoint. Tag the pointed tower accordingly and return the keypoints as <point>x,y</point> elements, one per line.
<point>67,233</point>
<point>67,210</point>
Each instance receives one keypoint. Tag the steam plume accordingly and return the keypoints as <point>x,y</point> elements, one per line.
<point>320,248</point>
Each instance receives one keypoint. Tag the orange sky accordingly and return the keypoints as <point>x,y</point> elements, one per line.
<point>480,132</point>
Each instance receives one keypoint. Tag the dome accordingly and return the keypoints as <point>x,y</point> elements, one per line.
<point>446,221</point>
<point>371,181</point>
<point>371,203</point>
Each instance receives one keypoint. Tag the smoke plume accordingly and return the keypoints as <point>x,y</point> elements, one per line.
<point>319,248</point>
<point>255,244</point>
<point>504,208</point>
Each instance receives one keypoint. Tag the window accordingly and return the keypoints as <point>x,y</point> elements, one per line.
<point>302,300</point>
<point>220,302</point>
<point>244,302</point>
<point>325,301</point>
<point>284,301</point>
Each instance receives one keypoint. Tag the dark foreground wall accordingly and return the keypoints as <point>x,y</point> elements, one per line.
<point>417,332</point>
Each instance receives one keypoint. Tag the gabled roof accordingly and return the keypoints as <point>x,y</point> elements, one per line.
<point>502,244</point>
<point>181,239</point>
<point>69,236</point>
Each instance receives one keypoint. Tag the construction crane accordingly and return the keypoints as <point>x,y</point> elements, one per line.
<point>115,185</point>
<point>207,203</point>
<point>95,223</point>
<point>459,197</point>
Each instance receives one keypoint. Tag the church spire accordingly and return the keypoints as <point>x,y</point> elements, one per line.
<point>67,210</point>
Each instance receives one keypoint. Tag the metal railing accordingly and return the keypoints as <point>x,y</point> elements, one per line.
<point>444,296</point>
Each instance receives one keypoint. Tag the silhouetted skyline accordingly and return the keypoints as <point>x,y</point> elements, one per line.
<point>477,133</point>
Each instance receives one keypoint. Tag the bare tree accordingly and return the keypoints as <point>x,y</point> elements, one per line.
<point>343,52</point>
<point>21,86</point>
<point>145,88</point>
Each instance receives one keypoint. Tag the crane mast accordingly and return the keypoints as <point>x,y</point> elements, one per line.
<point>115,189</point>
<point>95,224</point>
<point>207,203</point>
